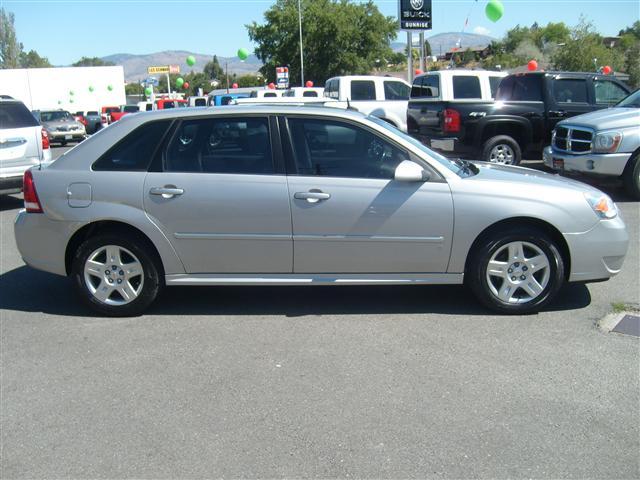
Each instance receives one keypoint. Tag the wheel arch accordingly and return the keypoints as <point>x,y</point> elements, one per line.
<point>512,222</point>
<point>517,128</point>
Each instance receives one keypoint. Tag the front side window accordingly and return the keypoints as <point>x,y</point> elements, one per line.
<point>135,152</point>
<point>395,90</point>
<point>570,90</point>
<point>466,87</point>
<point>363,90</point>
<point>608,92</point>
<point>221,145</point>
<point>330,148</point>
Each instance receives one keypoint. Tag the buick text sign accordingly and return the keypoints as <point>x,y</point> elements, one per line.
<point>415,14</point>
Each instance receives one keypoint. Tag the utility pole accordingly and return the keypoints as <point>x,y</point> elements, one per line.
<point>409,56</point>
<point>226,69</point>
<point>301,55</point>
<point>421,51</point>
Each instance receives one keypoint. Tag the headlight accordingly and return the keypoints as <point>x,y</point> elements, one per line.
<point>607,142</point>
<point>602,205</point>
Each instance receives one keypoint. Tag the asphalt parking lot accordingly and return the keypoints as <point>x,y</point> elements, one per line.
<point>245,382</point>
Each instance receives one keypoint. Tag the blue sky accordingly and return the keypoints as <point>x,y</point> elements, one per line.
<point>102,27</point>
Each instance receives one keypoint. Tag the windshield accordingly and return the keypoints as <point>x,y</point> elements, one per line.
<point>456,166</point>
<point>55,116</point>
<point>632,101</point>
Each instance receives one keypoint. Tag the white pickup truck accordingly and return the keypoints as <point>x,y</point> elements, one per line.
<point>383,97</point>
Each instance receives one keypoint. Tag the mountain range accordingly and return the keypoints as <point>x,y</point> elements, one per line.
<point>444,42</point>
<point>135,66</point>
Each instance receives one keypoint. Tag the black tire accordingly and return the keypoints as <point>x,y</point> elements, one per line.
<point>502,140</point>
<point>476,274</point>
<point>631,176</point>
<point>151,278</point>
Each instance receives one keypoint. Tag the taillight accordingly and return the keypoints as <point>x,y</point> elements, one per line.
<point>451,121</point>
<point>45,140</point>
<point>31,202</point>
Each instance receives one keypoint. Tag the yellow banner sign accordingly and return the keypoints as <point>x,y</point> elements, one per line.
<point>164,69</point>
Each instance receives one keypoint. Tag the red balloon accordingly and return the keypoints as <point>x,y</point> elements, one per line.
<point>607,69</point>
<point>418,71</point>
<point>272,86</point>
<point>309,83</point>
<point>185,85</point>
<point>235,85</point>
<point>532,65</point>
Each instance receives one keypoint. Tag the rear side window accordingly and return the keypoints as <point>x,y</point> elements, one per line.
<point>608,92</point>
<point>200,102</point>
<point>526,88</point>
<point>221,145</point>
<point>493,83</point>
<point>270,94</point>
<point>363,90</point>
<point>466,87</point>
<point>426,87</point>
<point>395,91</point>
<point>570,90</point>
<point>310,93</point>
<point>135,152</point>
<point>16,115</point>
<point>131,108</point>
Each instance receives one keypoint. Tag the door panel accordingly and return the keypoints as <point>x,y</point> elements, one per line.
<point>371,226</point>
<point>224,223</point>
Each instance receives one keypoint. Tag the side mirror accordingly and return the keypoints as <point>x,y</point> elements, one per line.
<point>409,171</point>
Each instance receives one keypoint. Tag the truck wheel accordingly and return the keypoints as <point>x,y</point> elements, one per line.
<point>502,149</point>
<point>631,176</point>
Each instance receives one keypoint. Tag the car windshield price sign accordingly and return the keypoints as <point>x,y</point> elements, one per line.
<point>414,14</point>
<point>282,77</point>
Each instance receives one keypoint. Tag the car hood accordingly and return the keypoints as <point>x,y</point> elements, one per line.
<point>527,177</point>
<point>607,119</point>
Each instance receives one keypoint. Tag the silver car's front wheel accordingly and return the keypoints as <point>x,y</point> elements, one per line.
<point>117,274</point>
<point>518,272</point>
<point>114,275</point>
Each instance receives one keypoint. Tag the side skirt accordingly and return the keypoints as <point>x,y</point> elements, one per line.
<point>318,279</point>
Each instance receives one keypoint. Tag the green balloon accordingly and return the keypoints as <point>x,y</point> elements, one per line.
<point>243,53</point>
<point>109,87</point>
<point>191,60</point>
<point>71,92</point>
<point>494,10</point>
<point>179,82</point>
<point>91,88</point>
<point>148,91</point>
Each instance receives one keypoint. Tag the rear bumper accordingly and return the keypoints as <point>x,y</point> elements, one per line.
<point>609,164</point>
<point>599,253</point>
<point>450,146</point>
<point>42,242</point>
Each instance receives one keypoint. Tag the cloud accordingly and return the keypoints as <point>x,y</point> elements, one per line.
<point>481,30</point>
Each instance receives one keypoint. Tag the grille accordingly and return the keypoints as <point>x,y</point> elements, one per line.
<point>571,139</point>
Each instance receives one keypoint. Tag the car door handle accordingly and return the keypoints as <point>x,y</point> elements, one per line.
<point>557,113</point>
<point>312,196</point>
<point>168,191</point>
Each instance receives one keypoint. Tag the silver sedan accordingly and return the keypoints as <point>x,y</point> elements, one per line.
<point>284,195</point>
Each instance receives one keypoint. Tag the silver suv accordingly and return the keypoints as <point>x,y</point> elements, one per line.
<point>284,195</point>
<point>23,144</point>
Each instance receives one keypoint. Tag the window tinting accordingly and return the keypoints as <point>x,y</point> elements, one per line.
<point>310,93</point>
<point>363,90</point>
<point>135,151</point>
<point>335,149</point>
<point>608,92</point>
<point>466,87</point>
<point>270,94</point>
<point>426,87</point>
<point>395,91</point>
<point>225,145</point>
<point>570,90</point>
<point>526,88</point>
<point>16,115</point>
<point>493,83</point>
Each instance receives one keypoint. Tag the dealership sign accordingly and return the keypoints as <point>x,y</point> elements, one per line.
<point>164,69</point>
<point>414,14</point>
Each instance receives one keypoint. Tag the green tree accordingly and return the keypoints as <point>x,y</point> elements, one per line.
<point>33,60</point>
<point>633,30</point>
<point>92,62</point>
<point>133,89</point>
<point>339,37</point>
<point>10,48</point>
<point>468,56</point>
<point>213,69</point>
<point>249,81</point>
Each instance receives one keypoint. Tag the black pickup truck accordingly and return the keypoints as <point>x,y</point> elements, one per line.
<point>519,121</point>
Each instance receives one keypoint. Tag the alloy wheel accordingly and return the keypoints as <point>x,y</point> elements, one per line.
<point>502,154</point>
<point>113,275</point>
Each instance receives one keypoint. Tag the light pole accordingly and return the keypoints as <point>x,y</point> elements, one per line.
<point>301,55</point>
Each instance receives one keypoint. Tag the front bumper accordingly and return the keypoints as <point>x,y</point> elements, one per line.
<point>599,253</point>
<point>605,164</point>
<point>42,242</point>
<point>67,136</point>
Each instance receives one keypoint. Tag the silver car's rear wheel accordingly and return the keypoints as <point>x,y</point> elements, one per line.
<point>114,275</point>
<point>518,272</point>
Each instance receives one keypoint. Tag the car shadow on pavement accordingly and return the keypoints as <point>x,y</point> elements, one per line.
<point>28,290</point>
<point>9,202</point>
